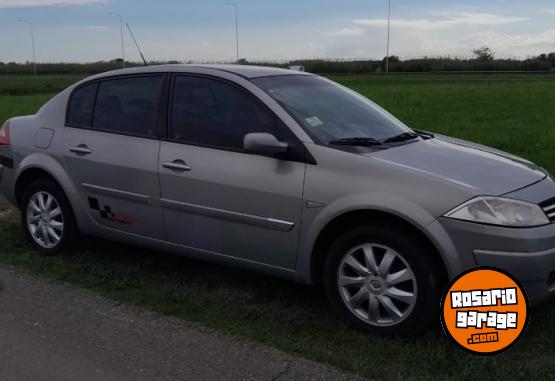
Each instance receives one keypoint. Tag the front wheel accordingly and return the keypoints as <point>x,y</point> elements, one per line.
<point>382,281</point>
<point>47,217</point>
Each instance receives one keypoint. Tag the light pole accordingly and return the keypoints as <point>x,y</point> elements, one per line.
<point>388,35</point>
<point>121,33</point>
<point>32,44</point>
<point>236,27</point>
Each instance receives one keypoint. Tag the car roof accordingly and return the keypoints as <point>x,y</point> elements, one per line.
<point>246,71</point>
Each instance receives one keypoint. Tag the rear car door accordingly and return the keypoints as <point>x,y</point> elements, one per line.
<point>215,196</point>
<point>110,149</point>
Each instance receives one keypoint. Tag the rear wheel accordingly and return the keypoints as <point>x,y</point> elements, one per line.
<point>382,281</point>
<point>47,217</point>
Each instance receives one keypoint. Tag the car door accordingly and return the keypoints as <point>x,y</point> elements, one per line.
<point>215,196</point>
<point>110,149</point>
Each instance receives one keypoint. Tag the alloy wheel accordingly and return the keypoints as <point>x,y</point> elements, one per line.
<point>377,284</point>
<point>45,219</point>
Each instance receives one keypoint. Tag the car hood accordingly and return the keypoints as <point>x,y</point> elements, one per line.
<point>485,170</point>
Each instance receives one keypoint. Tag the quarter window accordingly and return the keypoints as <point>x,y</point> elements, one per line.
<point>128,105</point>
<point>81,106</point>
<point>213,113</point>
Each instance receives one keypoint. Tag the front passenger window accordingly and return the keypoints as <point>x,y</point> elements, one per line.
<point>214,113</point>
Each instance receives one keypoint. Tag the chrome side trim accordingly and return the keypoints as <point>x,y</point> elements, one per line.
<point>269,223</point>
<point>140,198</point>
<point>280,225</point>
<point>545,253</point>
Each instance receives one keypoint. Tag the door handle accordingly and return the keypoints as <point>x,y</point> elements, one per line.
<point>81,149</point>
<point>177,165</point>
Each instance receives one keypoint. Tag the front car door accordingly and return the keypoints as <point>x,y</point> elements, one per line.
<point>110,150</point>
<point>215,196</point>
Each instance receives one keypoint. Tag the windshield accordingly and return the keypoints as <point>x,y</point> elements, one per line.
<point>329,111</point>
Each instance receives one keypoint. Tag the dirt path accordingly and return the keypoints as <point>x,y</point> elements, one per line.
<point>55,332</point>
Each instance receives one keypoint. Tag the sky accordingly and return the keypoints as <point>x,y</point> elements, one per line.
<point>204,30</point>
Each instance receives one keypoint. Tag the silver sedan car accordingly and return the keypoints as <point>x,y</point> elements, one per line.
<point>282,172</point>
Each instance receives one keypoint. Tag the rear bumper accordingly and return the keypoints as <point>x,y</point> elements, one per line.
<point>6,183</point>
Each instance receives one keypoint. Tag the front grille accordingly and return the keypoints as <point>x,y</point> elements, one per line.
<point>549,208</point>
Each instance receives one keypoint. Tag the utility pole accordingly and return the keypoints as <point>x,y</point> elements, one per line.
<point>388,35</point>
<point>121,35</point>
<point>236,27</point>
<point>32,44</point>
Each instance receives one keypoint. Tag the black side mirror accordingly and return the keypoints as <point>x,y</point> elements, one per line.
<point>264,144</point>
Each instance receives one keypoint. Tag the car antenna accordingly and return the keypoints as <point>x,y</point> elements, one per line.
<point>135,41</point>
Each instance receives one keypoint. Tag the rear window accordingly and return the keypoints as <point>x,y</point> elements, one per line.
<point>81,106</point>
<point>128,105</point>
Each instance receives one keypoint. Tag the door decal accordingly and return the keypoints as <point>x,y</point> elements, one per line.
<point>107,214</point>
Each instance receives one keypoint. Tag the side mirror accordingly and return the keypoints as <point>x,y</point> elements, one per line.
<point>264,144</point>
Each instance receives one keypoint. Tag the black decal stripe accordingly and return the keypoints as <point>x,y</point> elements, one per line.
<point>107,214</point>
<point>93,203</point>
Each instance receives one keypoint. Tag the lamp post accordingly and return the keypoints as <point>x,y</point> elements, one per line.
<point>388,35</point>
<point>236,27</point>
<point>32,44</point>
<point>121,34</point>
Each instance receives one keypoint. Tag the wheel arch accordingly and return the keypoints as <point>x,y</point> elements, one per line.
<point>352,218</point>
<point>26,177</point>
<point>41,165</point>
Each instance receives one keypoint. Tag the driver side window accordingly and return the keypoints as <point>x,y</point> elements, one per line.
<point>213,113</point>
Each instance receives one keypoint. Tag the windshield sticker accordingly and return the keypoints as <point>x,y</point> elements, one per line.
<point>314,121</point>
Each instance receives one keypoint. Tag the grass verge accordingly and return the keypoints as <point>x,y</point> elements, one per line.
<point>289,317</point>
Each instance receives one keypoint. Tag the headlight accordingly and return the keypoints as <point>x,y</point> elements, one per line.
<point>500,211</point>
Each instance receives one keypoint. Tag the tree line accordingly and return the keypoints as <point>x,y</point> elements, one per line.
<point>483,60</point>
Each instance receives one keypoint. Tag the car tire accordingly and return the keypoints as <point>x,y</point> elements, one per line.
<point>382,281</point>
<point>47,218</point>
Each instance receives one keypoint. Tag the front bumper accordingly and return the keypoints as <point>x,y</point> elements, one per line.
<point>526,253</point>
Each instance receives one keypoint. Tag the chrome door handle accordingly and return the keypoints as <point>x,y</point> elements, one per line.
<point>81,149</point>
<point>177,165</point>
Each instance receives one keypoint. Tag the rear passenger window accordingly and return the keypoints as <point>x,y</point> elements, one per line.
<point>81,106</point>
<point>213,113</point>
<point>128,105</point>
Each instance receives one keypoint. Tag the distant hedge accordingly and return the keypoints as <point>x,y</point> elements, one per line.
<point>421,65</point>
<point>61,68</point>
<point>322,66</point>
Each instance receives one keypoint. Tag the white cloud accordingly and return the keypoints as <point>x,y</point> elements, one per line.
<point>441,34</point>
<point>98,27</point>
<point>42,3</point>
<point>348,32</point>
<point>508,42</point>
<point>451,20</point>
<point>400,23</point>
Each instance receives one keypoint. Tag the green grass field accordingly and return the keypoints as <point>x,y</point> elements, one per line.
<point>514,113</point>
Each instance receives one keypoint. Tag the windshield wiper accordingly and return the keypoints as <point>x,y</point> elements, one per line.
<point>402,137</point>
<point>362,142</point>
<point>424,134</point>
